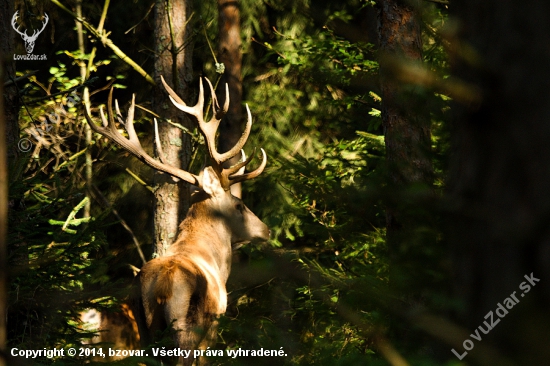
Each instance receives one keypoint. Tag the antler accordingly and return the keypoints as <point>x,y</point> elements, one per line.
<point>132,144</point>
<point>24,34</point>
<point>208,129</point>
<point>15,26</point>
<point>46,18</point>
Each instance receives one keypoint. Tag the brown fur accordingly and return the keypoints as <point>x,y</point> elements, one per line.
<point>118,329</point>
<point>186,288</point>
<point>163,289</point>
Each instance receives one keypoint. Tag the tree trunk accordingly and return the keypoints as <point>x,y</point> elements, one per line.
<point>88,172</point>
<point>500,172</point>
<point>3,224</point>
<point>19,252</point>
<point>230,54</point>
<point>11,98</point>
<point>407,133</point>
<point>174,50</point>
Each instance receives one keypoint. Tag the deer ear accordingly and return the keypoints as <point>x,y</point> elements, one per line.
<point>211,183</point>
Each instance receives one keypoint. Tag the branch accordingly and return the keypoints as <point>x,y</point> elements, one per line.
<point>103,16</point>
<point>208,41</point>
<point>13,81</point>
<point>100,197</point>
<point>145,17</point>
<point>139,180</point>
<point>88,82</point>
<point>102,36</point>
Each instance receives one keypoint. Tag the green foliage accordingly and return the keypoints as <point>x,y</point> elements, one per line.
<point>60,259</point>
<point>326,295</point>
<point>54,271</point>
<point>304,101</point>
<point>327,56</point>
<point>331,261</point>
<point>323,289</point>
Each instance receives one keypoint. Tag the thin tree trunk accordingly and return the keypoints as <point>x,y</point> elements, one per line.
<point>88,172</point>
<point>500,173</point>
<point>230,54</point>
<point>173,47</point>
<point>407,134</point>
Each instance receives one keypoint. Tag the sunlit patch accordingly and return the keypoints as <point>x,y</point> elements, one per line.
<point>216,288</point>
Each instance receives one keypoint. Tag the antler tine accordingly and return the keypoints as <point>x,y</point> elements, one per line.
<point>235,168</point>
<point>109,122</point>
<point>208,130</point>
<point>180,104</point>
<point>217,112</point>
<point>117,112</point>
<point>253,174</point>
<point>103,119</point>
<point>226,104</point>
<point>110,116</point>
<point>129,125</point>
<point>171,92</point>
<point>242,140</point>
<point>215,104</point>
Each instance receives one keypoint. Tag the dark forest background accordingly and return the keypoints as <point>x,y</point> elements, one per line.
<point>406,187</point>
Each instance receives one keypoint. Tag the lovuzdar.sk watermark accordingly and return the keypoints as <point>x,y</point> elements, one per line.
<point>29,39</point>
<point>501,311</point>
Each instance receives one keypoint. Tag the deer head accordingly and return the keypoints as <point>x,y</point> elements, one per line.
<point>29,40</point>
<point>214,181</point>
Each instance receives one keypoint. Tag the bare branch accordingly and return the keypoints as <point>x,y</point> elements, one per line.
<point>102,36</point>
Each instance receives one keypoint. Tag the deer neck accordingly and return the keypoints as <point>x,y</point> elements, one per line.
<point>204,236</point>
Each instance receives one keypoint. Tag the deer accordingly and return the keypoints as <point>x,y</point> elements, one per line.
<point>119,329</point>
<point>29,40</point>
<point>186,287</point>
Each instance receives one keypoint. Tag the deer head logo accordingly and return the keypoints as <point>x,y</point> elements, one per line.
<point>29,40</point>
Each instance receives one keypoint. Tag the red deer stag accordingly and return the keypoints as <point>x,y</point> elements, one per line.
<point>185,288</point>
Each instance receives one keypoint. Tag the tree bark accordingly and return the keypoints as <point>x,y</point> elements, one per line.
<point>499,172</point>
<point>3,224</point>
<point>230,54</point>
<point>88,172</point>
<point>407,133</point>
<point>19,252</point>
<point>11,98</point>
<point>174,50</point>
